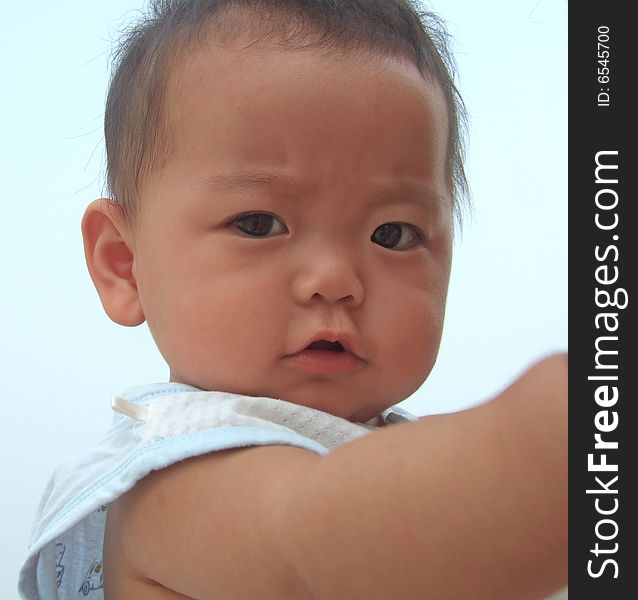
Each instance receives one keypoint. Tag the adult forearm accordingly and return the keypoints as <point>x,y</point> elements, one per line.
<point>471,504</point>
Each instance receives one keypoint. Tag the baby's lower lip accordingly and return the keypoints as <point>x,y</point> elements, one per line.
<point>324,361</point>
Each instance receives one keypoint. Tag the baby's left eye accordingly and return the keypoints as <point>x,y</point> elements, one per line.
<point>397,236</point>
<point>258,224</point>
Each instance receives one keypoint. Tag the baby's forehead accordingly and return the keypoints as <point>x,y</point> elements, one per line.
<point>223,58</point>
<point>149,94</point>
<point>242,76</point>
<point>257,87</point>
<point>326,121</point>
<point>162,103</point>
<point>268,122</point>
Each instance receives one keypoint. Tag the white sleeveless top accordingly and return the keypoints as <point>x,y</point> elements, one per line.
<point>155,426</point>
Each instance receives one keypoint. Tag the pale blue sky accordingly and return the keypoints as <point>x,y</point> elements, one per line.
<point>62,358</point>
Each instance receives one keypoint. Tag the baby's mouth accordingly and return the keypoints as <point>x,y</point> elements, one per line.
<point>325,357</point>
<point>326,345</point>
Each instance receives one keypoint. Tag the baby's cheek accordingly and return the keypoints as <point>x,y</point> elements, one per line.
<point>417,345</point>
<point>223,339</point>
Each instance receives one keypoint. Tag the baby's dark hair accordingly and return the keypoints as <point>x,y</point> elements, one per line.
<point>136,127</point>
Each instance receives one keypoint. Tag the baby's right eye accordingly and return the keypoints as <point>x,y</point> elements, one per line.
<point>259,224</point>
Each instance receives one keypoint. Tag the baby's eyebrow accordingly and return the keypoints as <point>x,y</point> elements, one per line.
<point>410,191</point>
<point>385,191</point>
<point>245,179</point>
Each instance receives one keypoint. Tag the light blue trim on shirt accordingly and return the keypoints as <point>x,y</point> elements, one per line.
<point>118,463</point>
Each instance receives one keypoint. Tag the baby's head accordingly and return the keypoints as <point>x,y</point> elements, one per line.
<point>284,175</point>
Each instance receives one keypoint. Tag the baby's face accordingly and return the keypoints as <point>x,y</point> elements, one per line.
<point>306,198</point>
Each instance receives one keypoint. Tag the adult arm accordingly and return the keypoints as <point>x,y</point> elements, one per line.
<point>470,504</point>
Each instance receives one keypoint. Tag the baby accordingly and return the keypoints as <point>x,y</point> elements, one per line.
<point>284,177</point>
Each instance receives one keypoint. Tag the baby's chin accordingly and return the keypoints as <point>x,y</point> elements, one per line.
<point>338,402</point>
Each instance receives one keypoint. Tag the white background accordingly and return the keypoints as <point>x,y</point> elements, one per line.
<point>61,358</point>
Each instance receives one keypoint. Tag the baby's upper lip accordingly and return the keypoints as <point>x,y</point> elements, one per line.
<point>346,339</point>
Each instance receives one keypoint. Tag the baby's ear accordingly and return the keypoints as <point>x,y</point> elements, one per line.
<point>109,257</point>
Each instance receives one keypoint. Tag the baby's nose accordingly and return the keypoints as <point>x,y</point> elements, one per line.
<point>329,277</point>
